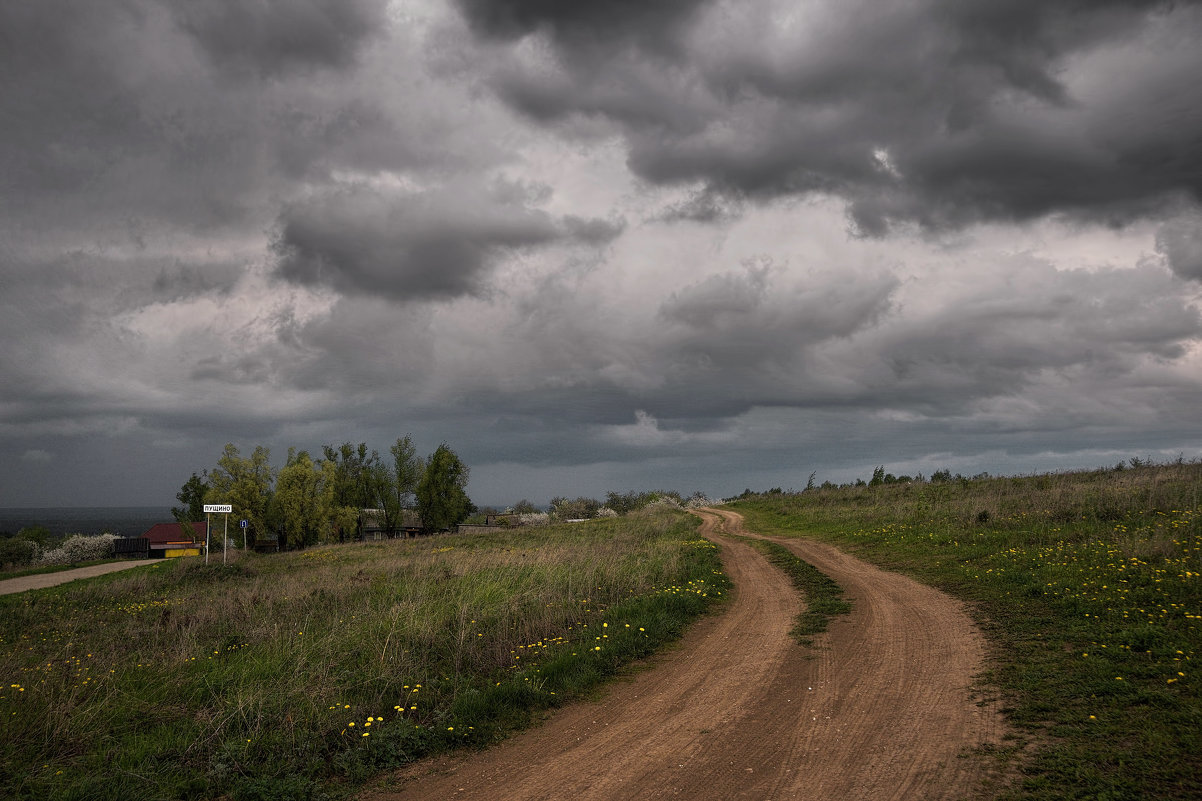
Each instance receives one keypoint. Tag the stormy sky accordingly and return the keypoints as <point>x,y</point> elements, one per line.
<point>691,244</point>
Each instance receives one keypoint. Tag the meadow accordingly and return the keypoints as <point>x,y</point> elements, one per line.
<point>1089,588</point>
<point>301,675</point>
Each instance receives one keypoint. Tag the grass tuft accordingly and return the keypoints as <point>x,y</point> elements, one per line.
<point>823,595</point>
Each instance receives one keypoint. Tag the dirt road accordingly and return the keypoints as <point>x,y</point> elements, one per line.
<point>37,582</point>
<point>880,707</point>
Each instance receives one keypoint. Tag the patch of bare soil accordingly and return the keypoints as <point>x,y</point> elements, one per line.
<point>881,707</point>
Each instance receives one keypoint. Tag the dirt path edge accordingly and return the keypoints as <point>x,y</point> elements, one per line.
<point>882,706</point>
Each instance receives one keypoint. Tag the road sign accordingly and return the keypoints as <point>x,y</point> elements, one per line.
<point>220,508</point>
<point>243,524</point>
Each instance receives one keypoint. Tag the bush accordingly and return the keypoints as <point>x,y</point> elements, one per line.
<point>17,552</point>
<point>78,548</point>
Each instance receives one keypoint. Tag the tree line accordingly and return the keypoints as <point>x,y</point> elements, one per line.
<point>321,499</point>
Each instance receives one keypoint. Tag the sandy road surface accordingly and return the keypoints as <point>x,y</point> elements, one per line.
<point>879,708</point>
<point>37,582</point>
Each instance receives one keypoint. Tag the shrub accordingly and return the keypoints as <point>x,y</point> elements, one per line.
<point>78,548</point>
<point>17,551</point>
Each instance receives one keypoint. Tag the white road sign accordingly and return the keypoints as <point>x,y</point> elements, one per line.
<point>218,507</point>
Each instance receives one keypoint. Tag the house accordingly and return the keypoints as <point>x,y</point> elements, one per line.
<point>371,524</point>
<point>175,539</point>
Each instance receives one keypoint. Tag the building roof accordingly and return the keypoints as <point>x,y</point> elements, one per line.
<point>163,533</point>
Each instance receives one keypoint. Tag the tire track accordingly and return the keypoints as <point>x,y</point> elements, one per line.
<point>879,708</point>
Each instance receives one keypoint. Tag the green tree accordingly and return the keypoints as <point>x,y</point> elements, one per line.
<point>442,499</point>
<point>245,484</point>
<point>297,500</point>
<point>192,499</point>
<point>336,517</point>
<point>399,482</point>
<point>354,484</point>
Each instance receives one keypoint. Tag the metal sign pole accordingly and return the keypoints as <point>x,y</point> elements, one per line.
<point>225,543</point>
<point>221,509</point>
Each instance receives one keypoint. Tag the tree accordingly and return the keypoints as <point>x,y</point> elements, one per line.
<point>442,500</point>
<point>335,516</point>
<point>393,486</point>
<point>245,484</point>
<point>352,485</point>
<point>297,500</point>
<point>192,497</point>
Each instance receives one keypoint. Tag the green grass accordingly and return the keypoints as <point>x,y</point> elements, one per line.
<point>1089,587</point>
<point>260,679</point>
<point>823,596</point>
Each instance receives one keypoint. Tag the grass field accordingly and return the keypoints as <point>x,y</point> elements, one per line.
<point>299,675</point>
<point>1089,587</point>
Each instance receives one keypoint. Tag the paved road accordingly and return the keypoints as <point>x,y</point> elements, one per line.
<point>41,580</point>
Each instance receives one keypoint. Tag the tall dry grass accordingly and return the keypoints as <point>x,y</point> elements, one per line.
<point>194,675</point>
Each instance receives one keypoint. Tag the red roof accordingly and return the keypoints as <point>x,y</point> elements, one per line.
<point>163,533</point>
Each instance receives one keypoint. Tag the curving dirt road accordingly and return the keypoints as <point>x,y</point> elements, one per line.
<point>881,707</point>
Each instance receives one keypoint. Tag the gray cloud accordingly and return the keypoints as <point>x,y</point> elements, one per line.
<point>1180,242</point>
<point>936,113</point>
<point>579,22</point>
<point>415,246</point>
<point>299,223</point>
<point>271,37</point>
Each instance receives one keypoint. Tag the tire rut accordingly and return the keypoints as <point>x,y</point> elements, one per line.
<point>881,707</point>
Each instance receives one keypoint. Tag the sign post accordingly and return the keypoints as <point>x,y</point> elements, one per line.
<point>221,509</point>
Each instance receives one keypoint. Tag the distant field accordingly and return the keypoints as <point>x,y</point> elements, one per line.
<point>1089,586</point>
<point>297,675</point>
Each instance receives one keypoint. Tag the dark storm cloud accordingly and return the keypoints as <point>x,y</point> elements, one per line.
<point>271,37</point>
<point>608,19</point>
<point>943,113</point>
<point>418,245</point>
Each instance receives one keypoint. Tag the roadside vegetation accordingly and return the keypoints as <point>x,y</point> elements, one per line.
<point>300,675</point>
<point>823,595</point>
<point>1089,586</point>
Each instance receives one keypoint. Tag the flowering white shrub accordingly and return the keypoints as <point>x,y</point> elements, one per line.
<point>665,502</point>
<point>697,501</point>
<point>78,548</point>
<point>535,518</point>
<point>605,511</point>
